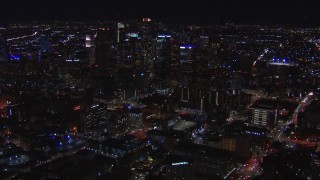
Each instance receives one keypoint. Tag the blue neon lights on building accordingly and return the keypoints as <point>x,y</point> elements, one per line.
<point>186,47</point>
<point>14,57</point>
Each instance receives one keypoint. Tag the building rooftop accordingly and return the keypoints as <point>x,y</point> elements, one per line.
<point>266,104</point>
<point>184,125</point>
<point>272,104</point>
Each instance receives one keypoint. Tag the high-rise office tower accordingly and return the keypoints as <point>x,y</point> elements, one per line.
<point>44,43</point>
<point>3,49</point>
<point>90,48</point>
<point>163,56</point>
<point>147,47</point>
<point>187,59</point>
<point>45,47</point>
<point>163,48</point>
<point>119,31</point>
<point>103,49</point>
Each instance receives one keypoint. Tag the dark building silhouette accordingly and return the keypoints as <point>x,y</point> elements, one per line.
<point>310,117</point>
<point>3,49</point>
<point>103,49</point>
<point>178,168</point>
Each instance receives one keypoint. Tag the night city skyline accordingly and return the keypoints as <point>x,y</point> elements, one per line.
<point>160,90</point>
<point>216,11</point>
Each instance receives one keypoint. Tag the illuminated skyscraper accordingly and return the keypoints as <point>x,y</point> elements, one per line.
<point>119,30</point>
<point>163,56</point>
<point>187,59</point>
<point>44,43</point>
<point>163,47</point>
<point>90,48</point>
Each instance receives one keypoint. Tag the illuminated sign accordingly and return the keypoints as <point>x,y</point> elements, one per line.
<point>164,36</point>
<point>132,35</point>
<point>179,163</point>
<point>72,60</point>
<point>186,47</point>
<point>146,20</point>
<point>15,57</point>
<point>94,106</point>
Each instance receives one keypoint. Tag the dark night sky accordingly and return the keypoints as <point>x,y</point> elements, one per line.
<point>196,10</point>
